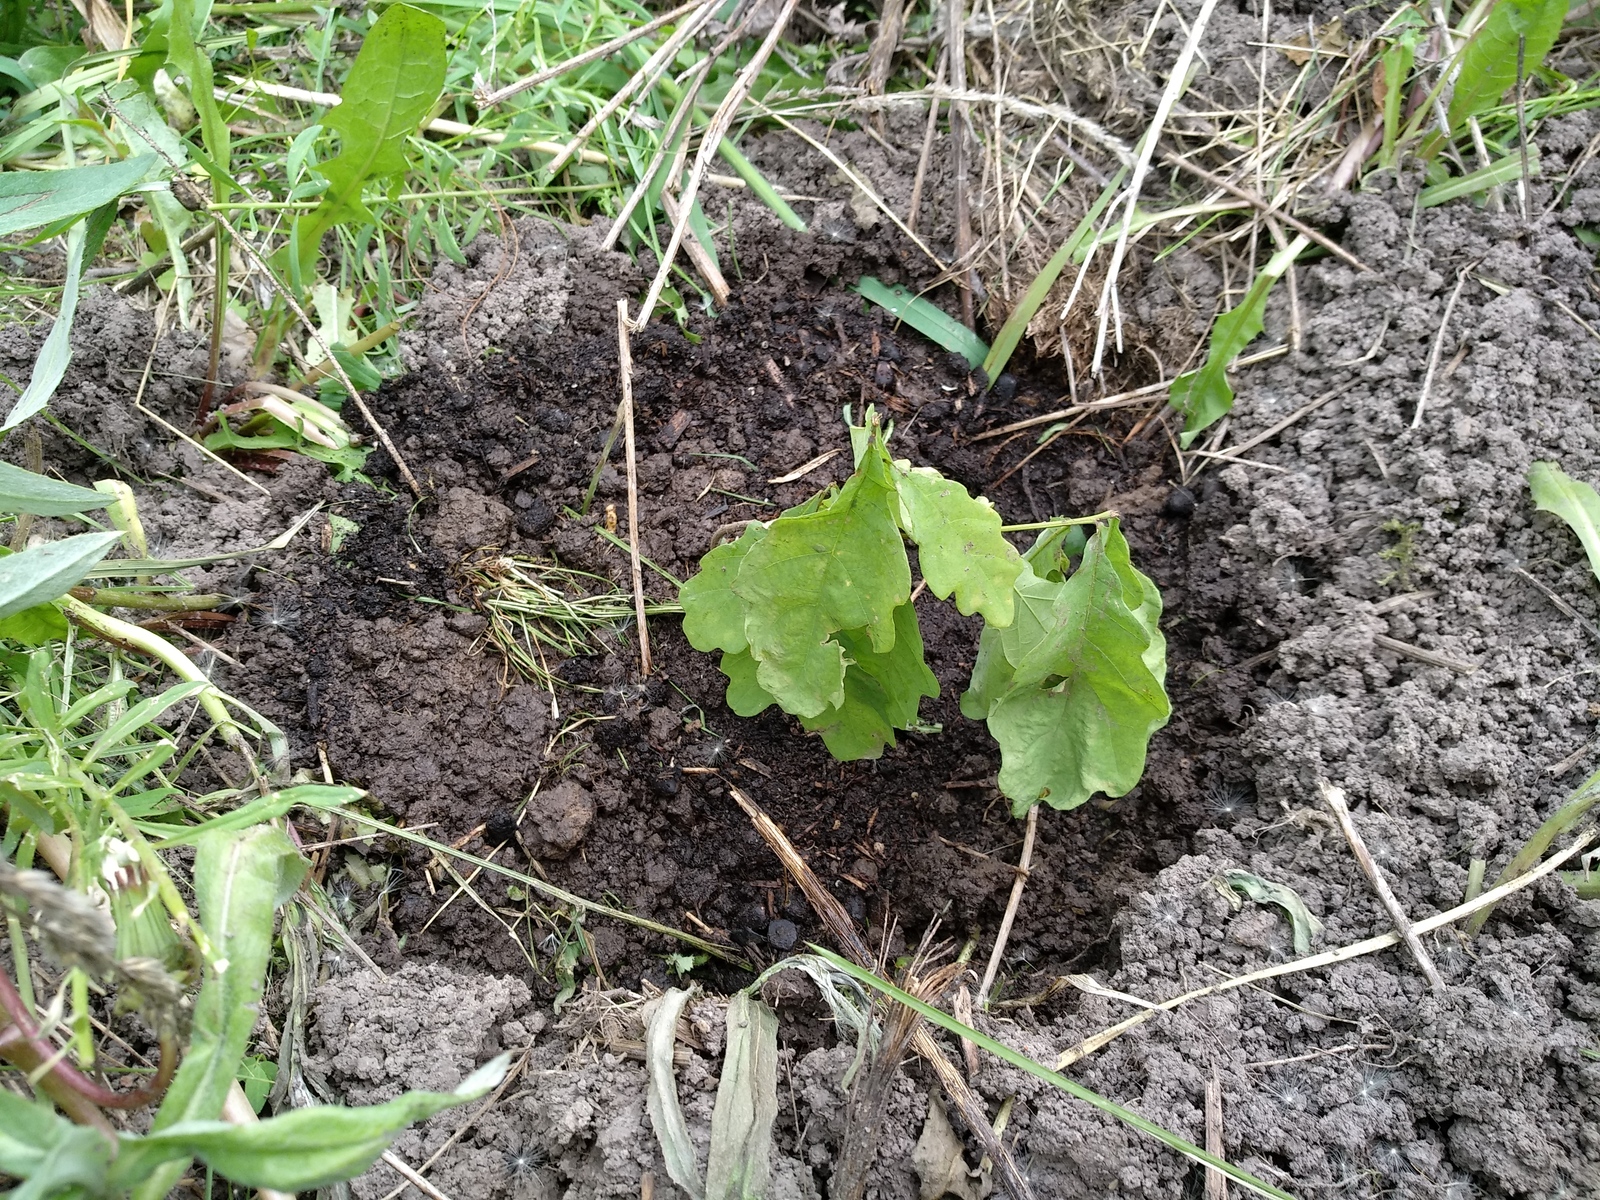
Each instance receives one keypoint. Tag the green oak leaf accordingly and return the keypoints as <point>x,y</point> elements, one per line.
<point>1074,688</point>
<point>746,697</point>
<point>959,544</point>
<point>842,567</point>
<point>713,617</point>
<point>881,692</point>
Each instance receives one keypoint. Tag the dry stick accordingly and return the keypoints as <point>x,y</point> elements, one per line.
<point>1438,342</point>
<point>1297,414</point>
<point>1147,147</point>
<point>1330,958</point>
<point>1017,884</point>
<point>1431,657</point>
<point>404,1170</point>
<point>716,129</point>
<point>843,929</point>
<point>698,254</point>
<point>1334,798</point>
<point>927,149</point>
<point>490,99</point>
<point>669,135</point>
<point>625,370</point>
<point>1269,209</point>
<point>1216,1181</point>
<point>955,38</point>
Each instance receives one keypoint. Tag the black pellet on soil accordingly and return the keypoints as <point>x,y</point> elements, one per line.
<point>1179,505</point>
<point>499,828</point>
<point>782,934</point>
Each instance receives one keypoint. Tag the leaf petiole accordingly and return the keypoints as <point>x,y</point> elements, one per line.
<point>1062,522</point>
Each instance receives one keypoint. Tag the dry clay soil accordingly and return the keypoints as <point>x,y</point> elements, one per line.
<point>1357,1080</point>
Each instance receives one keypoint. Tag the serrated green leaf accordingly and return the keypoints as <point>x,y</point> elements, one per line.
<point>1489,62</point>
<point>42,573</point>
<point>392,86</point>
<point>1575,502</point>
<point>1074,688</point>
<point>959,544</point>
<point>713,617</point>
<point>844,567</point>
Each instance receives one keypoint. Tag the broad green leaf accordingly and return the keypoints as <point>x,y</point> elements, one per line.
<point>35,626</point>
<point>42,573</point>
<point>959,544</point>
<point>739,1161</point>
<point>661,1100</point>
<point>29,199</point>
<point>1074,688</point>
<point>881,692</point>
<point>1489,62</point>
<point>1205,396</point>
<point>256,1076</point>
<point>926,318</point>
<point>302,1150</point>
<point>844,567</point>
<point>746,697</point>
<point>50,368</point>
<point>1305,926</point>
<point>240,879</point>
<point>267,808</point>
<point>713,617</point>
<point>186,21</point>
<point>20,804</point>
<point>392,87</point>
<point>25,492</point>
<point>1575,502</point>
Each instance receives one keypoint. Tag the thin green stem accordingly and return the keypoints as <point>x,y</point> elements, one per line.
<point>1061,522</point>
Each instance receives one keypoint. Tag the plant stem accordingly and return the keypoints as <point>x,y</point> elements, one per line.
<point>122,633</point>
<point>148,601</point>
<point>1061,522</point>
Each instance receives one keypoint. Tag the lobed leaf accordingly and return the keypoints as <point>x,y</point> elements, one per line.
<point>1074,688</point>
<point>840,567</point>
<point>882,692</point>
<point>959,544</point>
<point>713,617</point>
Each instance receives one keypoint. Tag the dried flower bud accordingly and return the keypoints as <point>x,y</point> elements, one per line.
<point>72,929</point>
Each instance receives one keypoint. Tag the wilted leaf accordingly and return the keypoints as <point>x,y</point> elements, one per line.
<point>1264,891</point>
<point>739,1160</point>
<point>666,1114</point>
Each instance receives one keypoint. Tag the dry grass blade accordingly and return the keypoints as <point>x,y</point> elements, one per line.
<point>625,372</point>
<point>1329,958</point>
<point>839,924</point>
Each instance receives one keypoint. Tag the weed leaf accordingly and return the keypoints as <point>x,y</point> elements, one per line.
<point>1205,396</point>
<point>25,492</point>
<point>959,544</point>
<point>53,1155</point>
<point>29,199</point>
<point>746,697</point>
<point>42,573</point>
<point>1575,502</point>
<point>1264,891</point>
<point>50,368</point>
<point>301,1150</point>
<point>1074,688</point>
<point>841,567</point>
<point>1489,62</point>
<point>392,87</point>
<point>926,318</point>
<point>666,1114</point>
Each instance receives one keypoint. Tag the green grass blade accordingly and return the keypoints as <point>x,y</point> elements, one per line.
<point>1505,170</point>
<point>758,185</point>
<point>926,318</point>
<point>1055,1079</point>
<point>1564,818</point>
<point>1011,333</point>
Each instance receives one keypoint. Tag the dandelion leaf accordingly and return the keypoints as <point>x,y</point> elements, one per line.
<point>959,544</point>
<point>1074,688</point>
<point>713,617</point>
<point>840,567</point>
